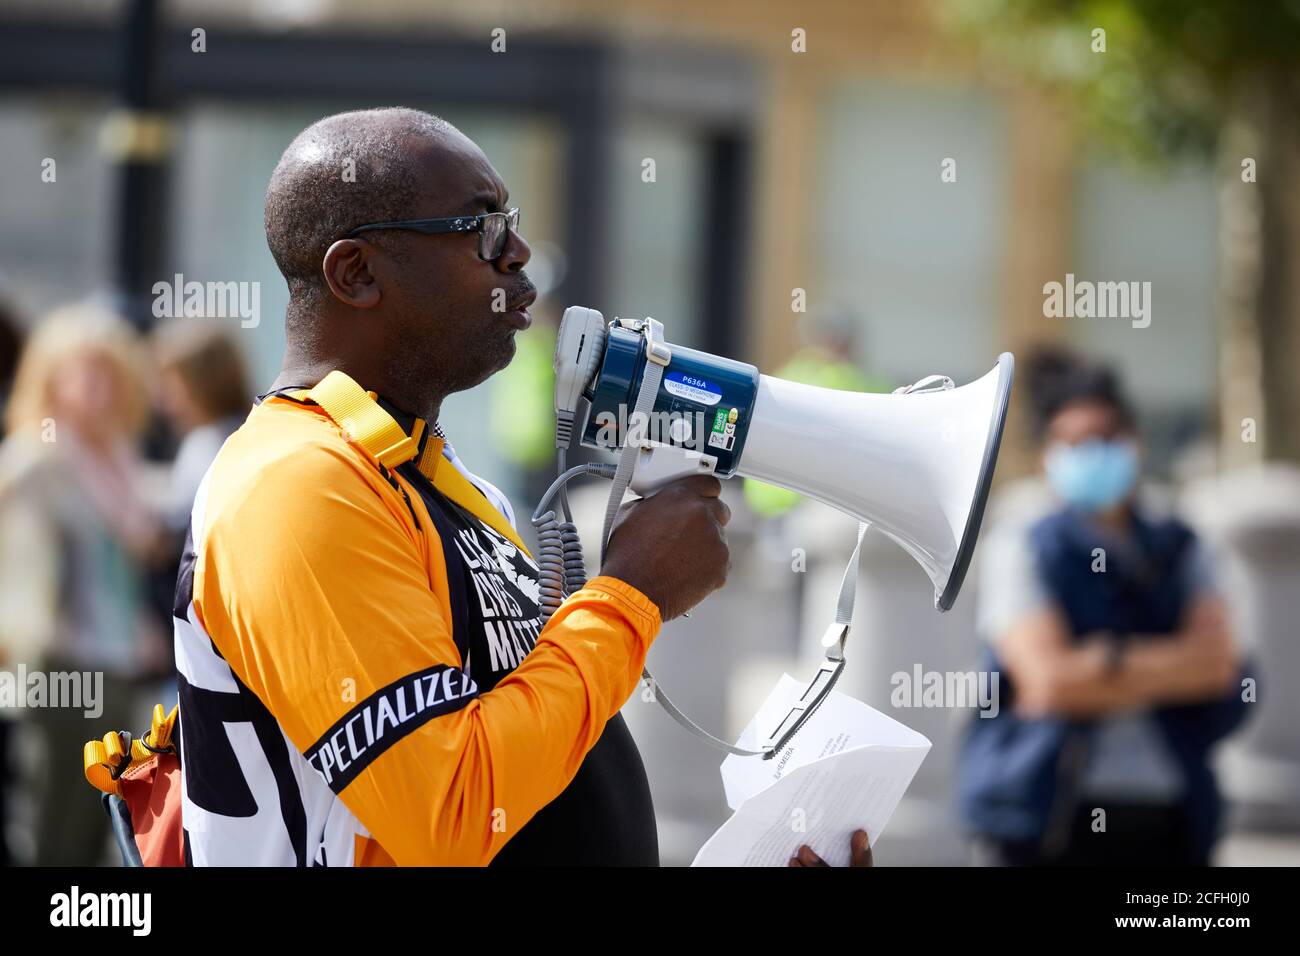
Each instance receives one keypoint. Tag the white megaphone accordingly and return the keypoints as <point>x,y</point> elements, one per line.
<point>916,464</point>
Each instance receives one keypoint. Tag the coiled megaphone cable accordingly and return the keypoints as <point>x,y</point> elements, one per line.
<point>561,569</point>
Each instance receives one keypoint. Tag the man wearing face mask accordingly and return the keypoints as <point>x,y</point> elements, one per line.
<point>1118,671</point>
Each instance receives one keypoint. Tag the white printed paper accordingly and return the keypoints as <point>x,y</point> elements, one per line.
<point>845,770</point>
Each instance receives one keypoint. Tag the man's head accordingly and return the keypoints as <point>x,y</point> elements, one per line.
<point>423,308</point>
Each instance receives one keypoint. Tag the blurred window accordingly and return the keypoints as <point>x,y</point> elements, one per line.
<point>56,241</point>
<point>657,236</point>
<point>918,260</point>
<point>1159,227</point>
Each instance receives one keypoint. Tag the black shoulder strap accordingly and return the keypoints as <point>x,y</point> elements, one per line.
<point>438,506</point>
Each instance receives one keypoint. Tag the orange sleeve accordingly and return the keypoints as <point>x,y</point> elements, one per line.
<point>312,586</point>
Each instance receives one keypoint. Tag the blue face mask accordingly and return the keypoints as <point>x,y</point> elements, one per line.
<point>1093,476</point>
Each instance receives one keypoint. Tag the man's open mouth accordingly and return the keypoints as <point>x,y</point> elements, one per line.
<point>522,303</point>
<point>517,311</point>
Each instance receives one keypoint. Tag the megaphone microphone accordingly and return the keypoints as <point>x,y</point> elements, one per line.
<point>916,464</point>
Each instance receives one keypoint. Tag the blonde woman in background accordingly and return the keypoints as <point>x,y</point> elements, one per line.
<point>75,531</point>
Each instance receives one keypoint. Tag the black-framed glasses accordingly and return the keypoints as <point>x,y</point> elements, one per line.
<point>493,229</point>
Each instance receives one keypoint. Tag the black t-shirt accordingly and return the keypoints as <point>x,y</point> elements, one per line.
<point>605,816</point>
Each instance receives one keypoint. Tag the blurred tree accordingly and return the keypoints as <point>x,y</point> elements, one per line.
<point>1185,77</point>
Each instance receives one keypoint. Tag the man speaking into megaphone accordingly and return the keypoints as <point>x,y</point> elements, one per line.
<point>365,677</point>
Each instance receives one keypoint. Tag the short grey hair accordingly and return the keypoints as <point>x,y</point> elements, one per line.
<point>339,173</point>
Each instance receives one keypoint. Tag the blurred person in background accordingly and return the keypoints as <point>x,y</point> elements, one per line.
<point>11,340</point>
<point>201,389</point>
<point>827,358</point>
<point>75,530</point>
<point>203,392</point>
<point>1118,671</point>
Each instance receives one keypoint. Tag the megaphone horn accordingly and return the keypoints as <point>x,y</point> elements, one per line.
<point>916,464</point>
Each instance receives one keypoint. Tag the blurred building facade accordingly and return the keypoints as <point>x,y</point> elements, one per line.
<point>774,171</point>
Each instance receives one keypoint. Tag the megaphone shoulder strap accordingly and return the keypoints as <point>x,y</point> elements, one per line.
<point>848,595</point>
<point>652,374</point>
<point>560,560</point>
<point>817,690</point>
<point>657,358</point>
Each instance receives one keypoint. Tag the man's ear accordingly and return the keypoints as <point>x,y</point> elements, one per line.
<point>348,274</point>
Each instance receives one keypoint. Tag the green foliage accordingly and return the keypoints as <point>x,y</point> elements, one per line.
<point>1165,84</point>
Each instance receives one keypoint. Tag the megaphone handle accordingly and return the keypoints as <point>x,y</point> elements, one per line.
<point>656,465</point>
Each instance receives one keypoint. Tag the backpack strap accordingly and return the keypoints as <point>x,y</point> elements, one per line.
<point>445,477</point>
<point>363,421</point>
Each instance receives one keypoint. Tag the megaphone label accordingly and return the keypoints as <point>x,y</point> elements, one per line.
<point>692,388</point>
<point>723,434</point>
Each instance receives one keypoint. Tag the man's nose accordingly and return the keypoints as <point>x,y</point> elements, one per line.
<point>515,255</point>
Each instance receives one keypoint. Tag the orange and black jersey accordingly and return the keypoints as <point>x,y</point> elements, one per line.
<point>364,678</point>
